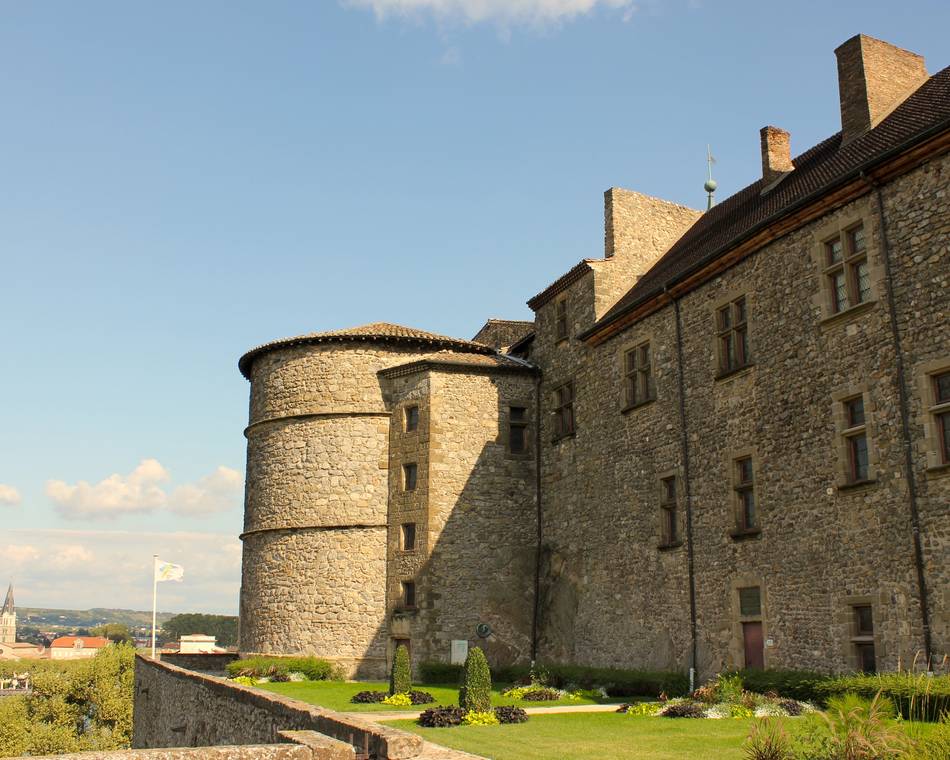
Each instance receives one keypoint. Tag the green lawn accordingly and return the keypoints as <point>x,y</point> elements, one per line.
<point>594,736</point>
<point>336,695</point>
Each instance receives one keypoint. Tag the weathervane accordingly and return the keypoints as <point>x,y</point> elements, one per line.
<point>710,184</point>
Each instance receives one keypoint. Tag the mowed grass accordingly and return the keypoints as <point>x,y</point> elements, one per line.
<point>594,736</point>
<point>336,695</point>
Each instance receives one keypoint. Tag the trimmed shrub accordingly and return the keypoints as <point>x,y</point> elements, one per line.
<point>475,694</point>
<point>510,714</point>
<point>541,695</point>
<point>421,697</point>
<point>400,677</point>
<point>683,710</point>
<point>280,668</point>
<point>368,697</point>
<point>916,696</point>
<point>441,717</point>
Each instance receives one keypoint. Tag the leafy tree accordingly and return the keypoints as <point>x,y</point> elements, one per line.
<point>115,632</point>
<point>223,627</point>
<point>400,677</point>
<point>475,694</point>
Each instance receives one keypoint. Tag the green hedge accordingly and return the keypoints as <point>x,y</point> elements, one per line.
<point>916,695</point>
<point>803,685</point>
<point>475,694</point>
<point>314,668</point>
<point>620,683</point>
<point>400,675</point>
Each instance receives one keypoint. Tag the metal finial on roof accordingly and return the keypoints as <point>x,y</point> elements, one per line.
<point>710,184</point>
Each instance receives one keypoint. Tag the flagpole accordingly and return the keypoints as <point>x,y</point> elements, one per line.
<point>154,599</point>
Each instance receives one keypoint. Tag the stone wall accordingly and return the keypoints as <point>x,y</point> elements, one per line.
<point>612,597</point>
<point>179,708</point>
<point>475,513</point>
<point>215,662</point>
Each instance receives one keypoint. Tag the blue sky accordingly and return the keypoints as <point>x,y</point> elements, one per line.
<point>182,181</point>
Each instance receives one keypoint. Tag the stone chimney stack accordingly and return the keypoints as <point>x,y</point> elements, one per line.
<point>874,77</point>
<point>776,153</point>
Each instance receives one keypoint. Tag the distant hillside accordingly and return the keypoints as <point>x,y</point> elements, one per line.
<point>38,616</point>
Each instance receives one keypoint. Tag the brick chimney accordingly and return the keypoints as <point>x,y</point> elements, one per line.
<point>874,77</point>
<point>776,153</point>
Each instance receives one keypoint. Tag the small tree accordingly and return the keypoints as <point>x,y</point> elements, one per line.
<point>400,677</point>
<point>475,694</point>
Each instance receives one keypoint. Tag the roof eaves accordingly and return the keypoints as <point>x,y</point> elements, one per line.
<point>562,283</point>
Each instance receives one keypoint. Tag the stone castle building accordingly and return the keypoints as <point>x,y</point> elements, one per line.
<point>725,443</point>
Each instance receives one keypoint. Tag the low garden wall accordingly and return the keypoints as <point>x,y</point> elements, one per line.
<point>175,707</point>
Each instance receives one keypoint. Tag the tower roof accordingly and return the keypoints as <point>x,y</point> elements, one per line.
<point>8,607</point>
<point>377,332</point>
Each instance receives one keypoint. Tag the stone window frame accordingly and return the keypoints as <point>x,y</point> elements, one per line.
<point>847,627</point>
<point>737,645</point>
<point>740,531</point>
<point>561,321</point>
<point>408,594</point>
<point>930,445</point>
<point>406,480</point>
<point>643,339</point>
<point>728,298</point>
<point>839,227</point>
<point>843,432</point>
<point>403,533</point>
<point>558,433</point>
<point>527,424</point>
<point>408,426</point>
<point>668,542</point>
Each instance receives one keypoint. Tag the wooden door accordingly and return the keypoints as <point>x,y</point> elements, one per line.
<point>753,645</point>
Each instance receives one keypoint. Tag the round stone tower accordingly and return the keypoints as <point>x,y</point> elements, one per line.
<point>315,519</point>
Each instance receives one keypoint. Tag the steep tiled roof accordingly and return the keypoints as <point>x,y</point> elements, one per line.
<point>499,333</point>
<point>567,279</point>
<point>382,332</point>
<point>8,607</point>
<point>817,172</point>
<point>493,361</point>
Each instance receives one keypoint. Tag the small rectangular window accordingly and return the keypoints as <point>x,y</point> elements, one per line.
<point>750,601</point>
<point>517,429</point>
<point>669,526</point>
<point>862,638</point>
<point>409,476</point>
<point>638,373</point>
<point>408,593</point>
<point>412,418</point>
<point>408,537</point>
<point>733,331</point>
<point>856,440</point>
<point>560,319</point>
<point>564,410</point>
<point>745,494</point>
<point>941,415</point>
<point>846,269</point>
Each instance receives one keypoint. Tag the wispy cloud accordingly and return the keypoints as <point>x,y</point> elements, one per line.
<point>80,569</point>
<point>143,491</point>
<point>504,12</point>
<point>9,496</point>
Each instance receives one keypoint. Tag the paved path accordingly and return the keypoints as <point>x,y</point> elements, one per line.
<point>379,717</point>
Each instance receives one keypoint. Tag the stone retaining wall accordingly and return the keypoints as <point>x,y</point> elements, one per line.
<point>216,662</point>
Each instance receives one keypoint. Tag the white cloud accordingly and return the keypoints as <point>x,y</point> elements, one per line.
<point>82,569</point>
<point>9,496</point>
<point>216,492</point>
<point>142,491</point>
<point>504,12</point>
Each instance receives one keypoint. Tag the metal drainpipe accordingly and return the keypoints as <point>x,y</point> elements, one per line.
<point>903,397</point>
<point>684,443</point>
<point>537,498</point>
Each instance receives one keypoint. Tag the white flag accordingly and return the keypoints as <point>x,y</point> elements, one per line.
<point>166,571</point>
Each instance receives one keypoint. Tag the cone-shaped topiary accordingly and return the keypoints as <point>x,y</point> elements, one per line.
<point>400,678</point>
<point>475,694</point>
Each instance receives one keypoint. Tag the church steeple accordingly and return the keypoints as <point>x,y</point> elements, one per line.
<point>8,619</point>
